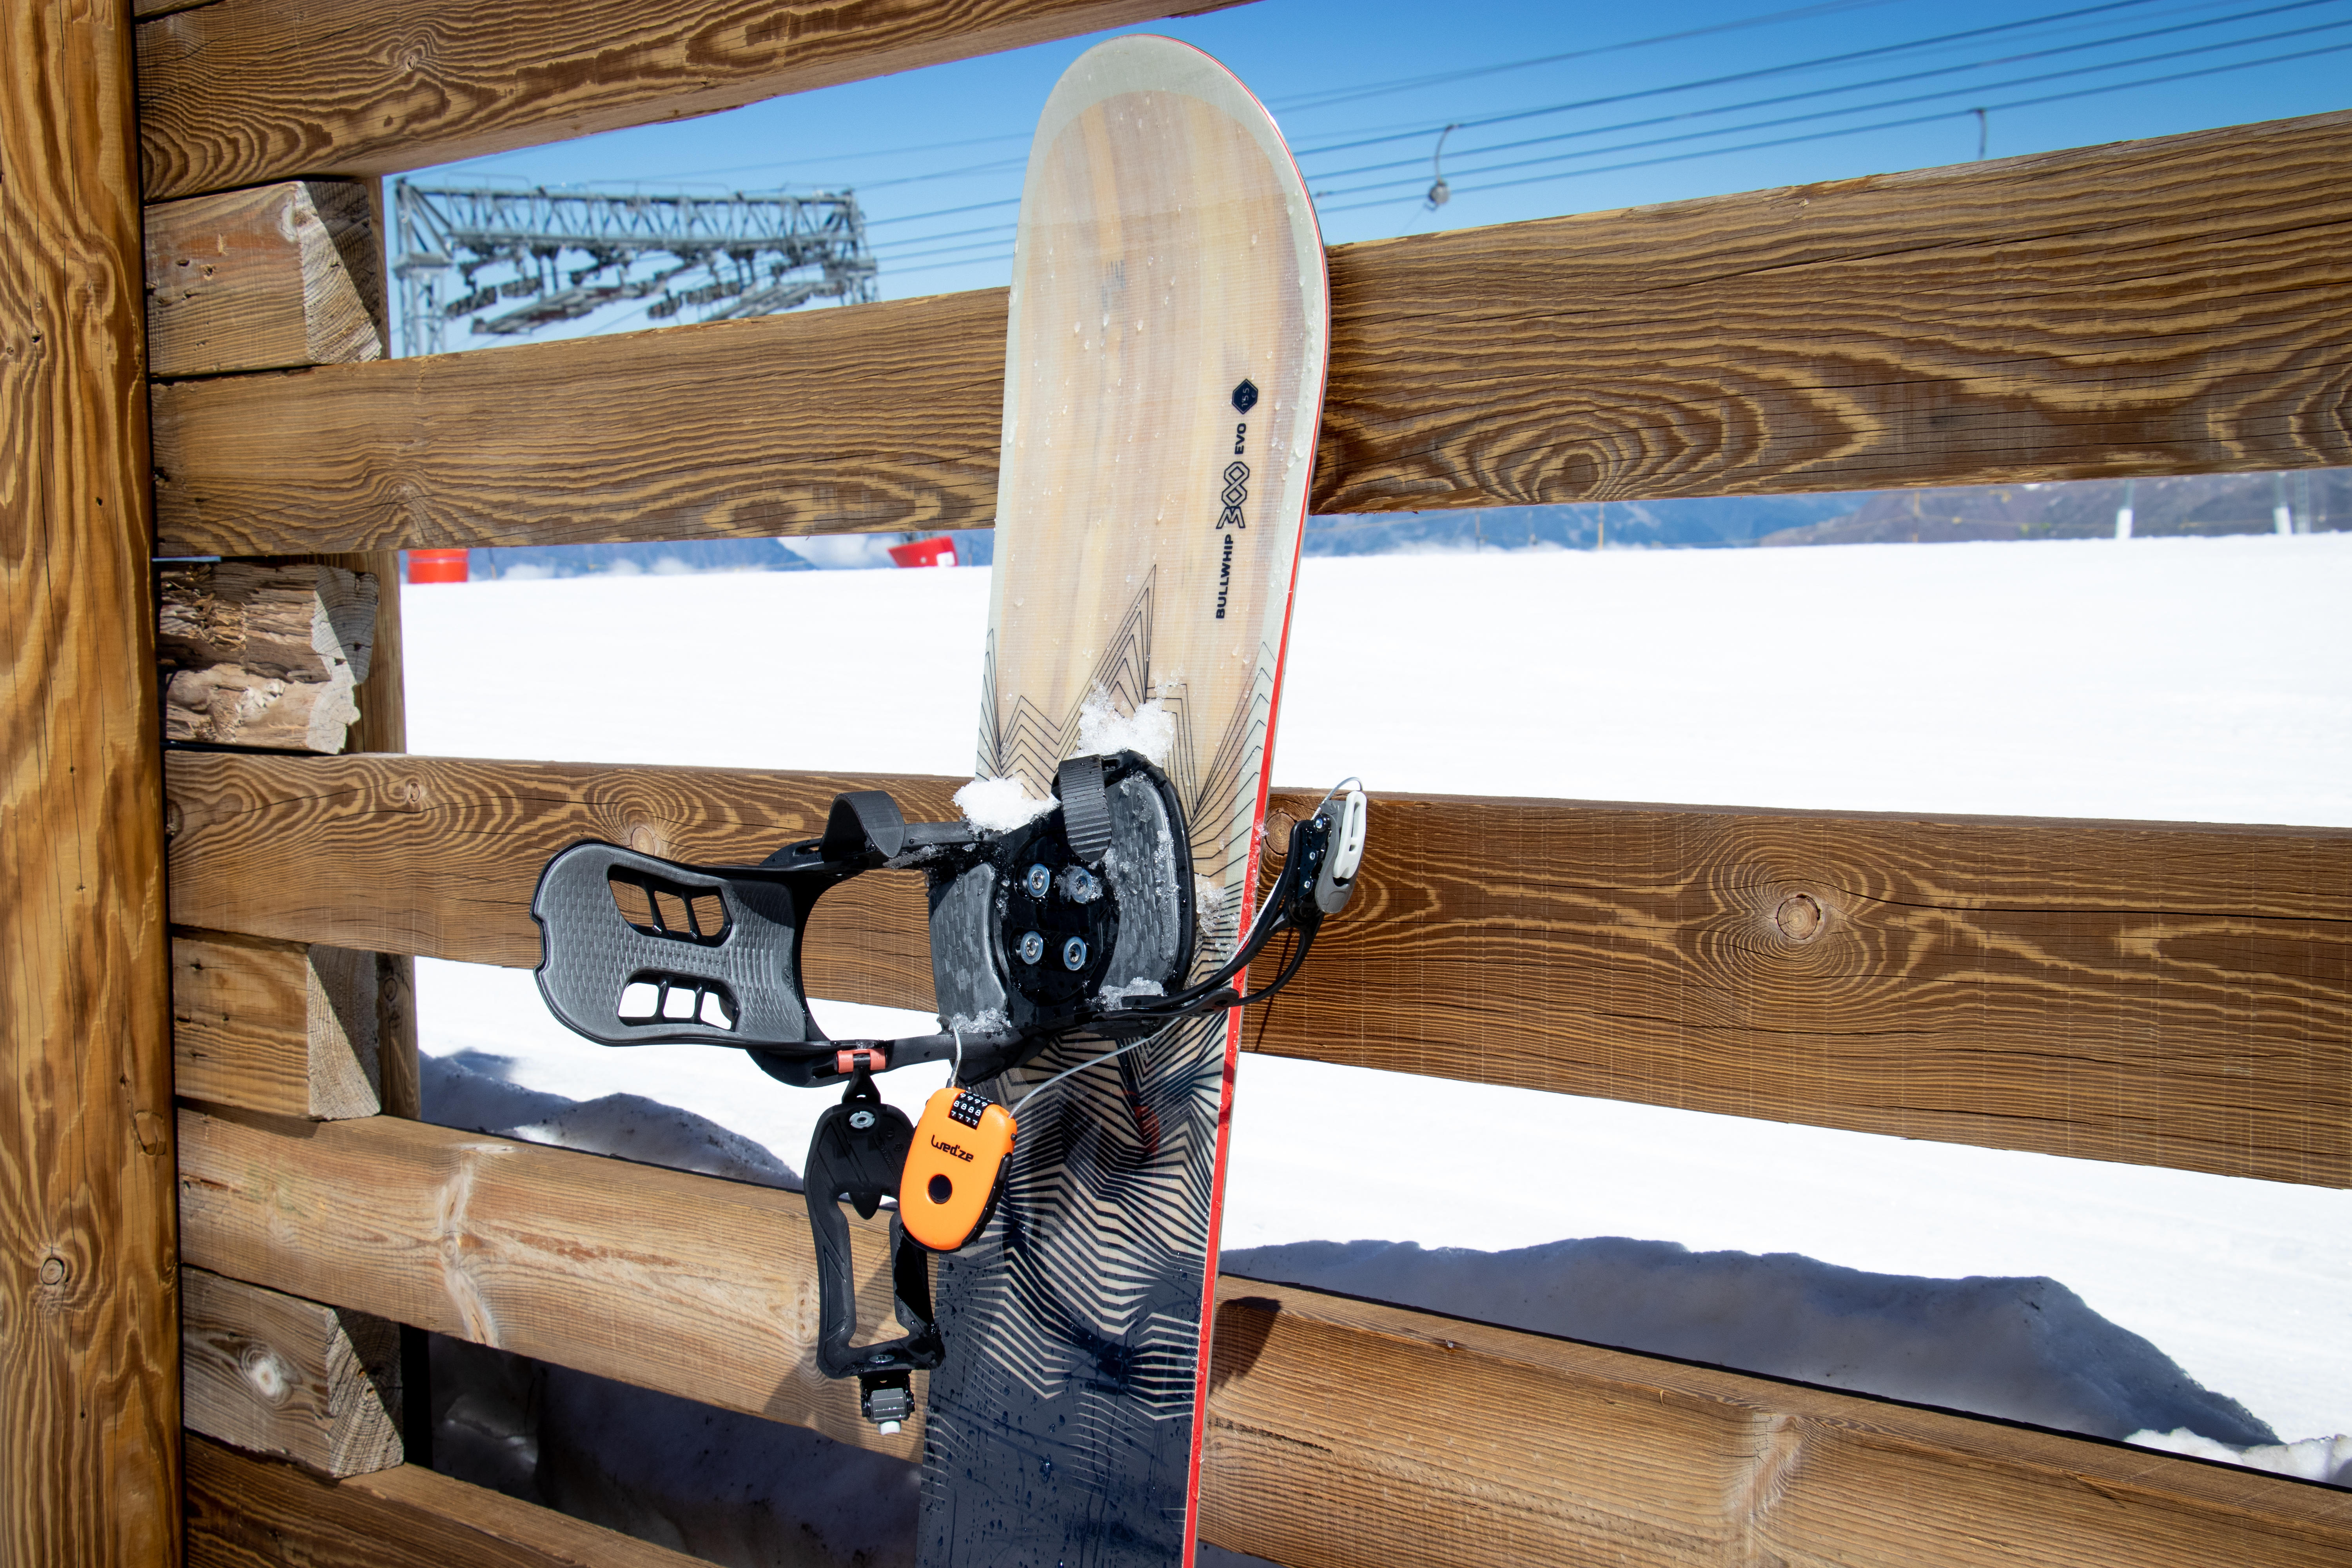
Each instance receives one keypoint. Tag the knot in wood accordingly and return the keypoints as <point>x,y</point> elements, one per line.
<point>1279,826</point>
<point>54,1270</point>
<point>267,1374</point>
<point>1799,917</point>
<point>171,820</point>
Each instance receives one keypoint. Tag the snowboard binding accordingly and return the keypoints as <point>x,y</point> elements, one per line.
<point>1079,922</point>
<point>856,1156</point>
<point>1036,931</point>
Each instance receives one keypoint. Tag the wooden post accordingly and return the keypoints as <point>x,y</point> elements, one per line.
<point>90,1398</point>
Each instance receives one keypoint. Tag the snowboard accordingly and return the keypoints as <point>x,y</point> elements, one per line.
<point>1164,368</point>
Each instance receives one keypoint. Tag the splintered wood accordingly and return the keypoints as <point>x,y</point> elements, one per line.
<point>265,655</point>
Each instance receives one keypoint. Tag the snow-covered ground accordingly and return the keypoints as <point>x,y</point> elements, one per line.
<point>2193,679</point>
<point>2205,680</point>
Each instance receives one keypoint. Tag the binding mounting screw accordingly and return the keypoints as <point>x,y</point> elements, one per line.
<point>1039,881</point>
<point>1033,947</point>
<point>1073,953</point>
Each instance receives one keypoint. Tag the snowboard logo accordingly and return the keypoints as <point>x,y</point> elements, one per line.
<point>1236,492</point>
<point>1237,472</point>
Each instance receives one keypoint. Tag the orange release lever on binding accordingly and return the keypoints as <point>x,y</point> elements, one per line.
<point>952,1173</point>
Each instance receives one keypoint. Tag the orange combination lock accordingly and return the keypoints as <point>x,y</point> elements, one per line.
<point>952,1172</point>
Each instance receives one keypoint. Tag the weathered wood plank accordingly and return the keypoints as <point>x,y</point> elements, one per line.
<point>264,654</point>
<point>277,1027</point>
<point>280,275</point>
<point>2178,305</point>
<point>694,1286</point>
<point>383,724</point>
<point>263,90</point>
<point>2172,306</point>
<point>444,855</point>
<point>355,208</point>
<point>90,1397</point>
<point>2160,994</point>
<point>873,416</point>
<point>244,1512</point>
<point>1347,1433</point>
<point>275,1374</point>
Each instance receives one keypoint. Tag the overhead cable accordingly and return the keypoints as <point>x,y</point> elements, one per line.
<point>1881,125</point>
<point>1884,103</point>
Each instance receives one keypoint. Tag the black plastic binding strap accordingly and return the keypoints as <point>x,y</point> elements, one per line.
<point>1086,809</point>
<point>856,1155</point>
<point>863,822</point>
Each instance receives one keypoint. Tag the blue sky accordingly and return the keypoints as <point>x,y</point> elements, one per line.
<point>1561,108</point>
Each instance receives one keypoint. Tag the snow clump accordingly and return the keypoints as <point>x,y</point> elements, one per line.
<point>1000,806</point>
<point>2325,1459</point>
<point>1149,732</point>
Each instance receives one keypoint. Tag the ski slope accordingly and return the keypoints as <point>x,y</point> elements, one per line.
<point>2203,680</point>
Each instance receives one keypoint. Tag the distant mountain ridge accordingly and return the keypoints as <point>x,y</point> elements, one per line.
<point>2209,504</point>
<point>2320,501</point>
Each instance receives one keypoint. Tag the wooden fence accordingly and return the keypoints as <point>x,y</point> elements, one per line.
<point>2164,993</point>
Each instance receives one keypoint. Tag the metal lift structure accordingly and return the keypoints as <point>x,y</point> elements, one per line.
<point>552,255</point>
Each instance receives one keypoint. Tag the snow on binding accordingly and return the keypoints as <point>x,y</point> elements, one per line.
<point>1055,1219</point>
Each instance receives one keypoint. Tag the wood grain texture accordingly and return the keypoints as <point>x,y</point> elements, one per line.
<point>267,654</point>
<point>2161,993</point>
<point>275,1374</point>
<point>2179,305</point>
<point>438,859</point>
<point>89,1386</point>
<point>869,417</point>
<point>276,1026</point>
<point>244,1512</point>
<point>399,1085</point>
<point>383,724</point>
<point>257,280</point>
<point>2172,306</point>
<point>2153,993</point>
<point>1346,1434</point>
<point>1350,1434</point>
<point>261,89</point>
<point>687,1284</point>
